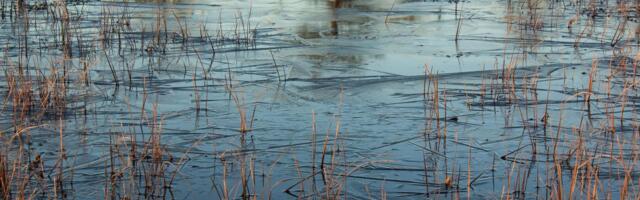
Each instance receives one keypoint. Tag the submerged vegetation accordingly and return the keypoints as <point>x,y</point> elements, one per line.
<point>337,99</point>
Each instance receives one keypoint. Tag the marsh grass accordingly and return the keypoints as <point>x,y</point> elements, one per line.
<point>578,140</point>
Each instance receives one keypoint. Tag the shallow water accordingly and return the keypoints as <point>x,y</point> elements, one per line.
<point>338,98</point>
